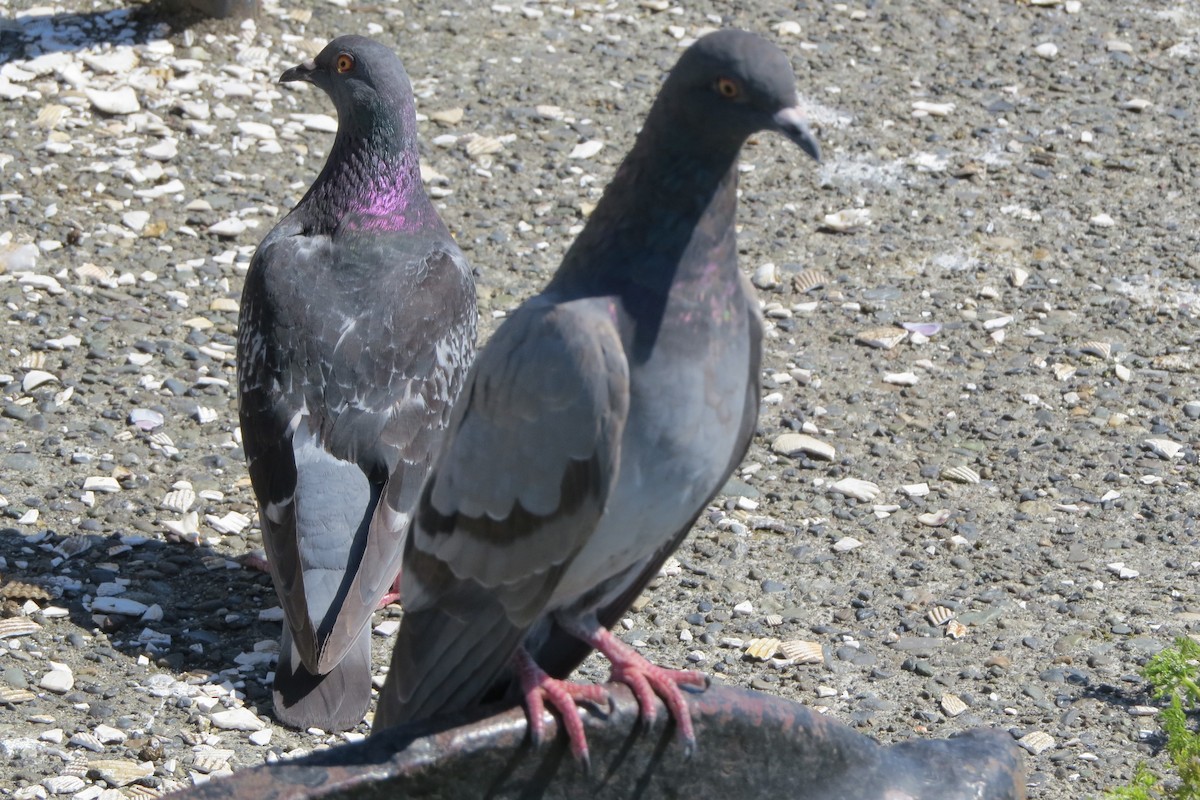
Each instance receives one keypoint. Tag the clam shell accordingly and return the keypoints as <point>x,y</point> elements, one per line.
<point>1064,372</point>
<point>78,766</point>
<point>1098,349</point>
<point>762,649</point>
<point>803,652</point>
<point>809,279</point>
<point>482,145</point>
<point>35,360</point>
<point>179,501</point>
<point>939,615</point>
<point>146,419</point>
<point>934,519</point>
<point>87,741</point>
<point>847,220</point>
<point>234,522</point>
<point>1036,742</point>
<point>883,338</point>
<point>19,590</point>
<point>766,276</point>
<point>11,696</point>
<point>952,705</point>
<point>120,773</point>
<point>205,415</point>
<point>955,629</point>
<point>857,488</point>
<point>1017,277</point>
<point>64,784</point>
<point>1164,448</point>
<point>960,474</point>
<point>788,444</point>
<point>774,620</point>
<point>17,626</point>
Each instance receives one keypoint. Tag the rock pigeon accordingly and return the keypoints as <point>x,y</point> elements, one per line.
<point>603,416</point>
<point>357,327</point>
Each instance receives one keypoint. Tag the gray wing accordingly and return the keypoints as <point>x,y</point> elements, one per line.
<point>531,454</point>
<point>346,378</point>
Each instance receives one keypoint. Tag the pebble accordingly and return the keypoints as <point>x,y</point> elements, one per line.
<point>237,719</point>
<point>59,679</point>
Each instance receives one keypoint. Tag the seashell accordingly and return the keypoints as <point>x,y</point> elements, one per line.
<point>846,544</point>
<point>1036,742</point>
<point>960,474</point>
<point>179,500</point>
<point>926,329</point>
<point>234,522</point>
<point>934,519</point>
<point>36,360</point>
<point>1137,104</point>
<point>35,378</point>
<point>1017,277</point>
<point>74,545</point>
<point>17,626</point>
<point>94,272</point>
<point>788,444</point>
<point>64,784</point>
<point>120,773</point>
<point>883,338</point>
<point>146,419</point>
<point>78,766</point>
<point>50,115</point>
<point>809,279</point>
<point>101,483</point>
<point>204,415</point>
<point>939,615</point>
<point>856,488</point>
<point>955,629</point>
<point>996,323</point>
<point>952,705</point>
<point>477,145</point>
<point>1164,448</point>
<point>762,649</point>
<point>211,761</point>
<point>802,652</point>
<point>19,590</point>
<point>924,108</point>
<point>162,440</point>
<point>774,620</point>
<point>139,792</point>
<point>1098,349</point>
<point>255,57</point>
<point>901,378</point>
<point>848,220</point>
<point>11,696</point>
<point>915,489</point>
<point>766,276</point>
<point>1064,372</point>
<point>116,62</point>
<point>582,150</point>
<point>87,741</point>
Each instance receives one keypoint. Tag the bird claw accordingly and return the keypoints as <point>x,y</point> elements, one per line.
<point>539,689</point>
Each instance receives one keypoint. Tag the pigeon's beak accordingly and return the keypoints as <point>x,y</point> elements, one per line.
<point>300,72</point>
<point>790,122</point>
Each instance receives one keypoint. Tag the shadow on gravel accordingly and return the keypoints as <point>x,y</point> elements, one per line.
<point>209,604</point>
<point>27,36</point>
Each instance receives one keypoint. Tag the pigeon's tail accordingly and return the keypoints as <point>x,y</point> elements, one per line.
<point>445,663</point>
<point>335,701</point>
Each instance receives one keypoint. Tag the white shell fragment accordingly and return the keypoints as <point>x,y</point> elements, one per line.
<point>237,719</point>
<point>856,488</point>
<point>180,501</point>
<point>1123,572</point>
<point>766,276</point>
<point>17,626</point>
<point>934,519</point>
<point>1164,448</point>
<point>924,108</point>
<point>1098,349</point>
<point>846,544</point>
<point>847,220</point>
<point>586,149</point>
<point>802,652</point>
<point>952,705</point>
<point>101,483</point>
<point>955,629</point>
<point>117,102</point>
<point>762,649</point>
<point>809,279</point>
<point>146,419</point>
<point>883,338</point>
<point>1036,742</point>
<point>789,444</point>
<point>120,773</point>
<point>939,615</point>
<point>960,474</point>
<point>901,378</point>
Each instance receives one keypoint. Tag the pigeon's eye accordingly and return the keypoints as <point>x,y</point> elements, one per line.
<point>728,88</point>
<point>345,63</point>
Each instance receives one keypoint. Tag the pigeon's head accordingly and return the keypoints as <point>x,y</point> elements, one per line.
<point>732,84</point>
<point>364,78</point>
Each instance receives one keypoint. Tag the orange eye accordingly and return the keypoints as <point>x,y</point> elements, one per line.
<point>727,87</point>
<point>345,63</point>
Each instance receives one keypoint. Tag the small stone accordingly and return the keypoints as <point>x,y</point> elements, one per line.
<point>59,679</point>
<point>238,719</point>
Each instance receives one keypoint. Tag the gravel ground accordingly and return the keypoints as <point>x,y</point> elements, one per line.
<point>1012,179</point>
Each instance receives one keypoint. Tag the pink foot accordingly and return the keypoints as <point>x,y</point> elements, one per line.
<point>393,596</point>
<point>646,680</point>
<point>538,688</point>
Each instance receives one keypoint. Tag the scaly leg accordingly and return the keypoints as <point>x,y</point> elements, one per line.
<point>539,688</point>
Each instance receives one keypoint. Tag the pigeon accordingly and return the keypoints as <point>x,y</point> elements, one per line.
<point>603,416</point>
<point>356,331</point>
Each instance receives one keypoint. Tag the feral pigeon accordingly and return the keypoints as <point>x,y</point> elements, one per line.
<point>599,421</point>
<point>356,330</point>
